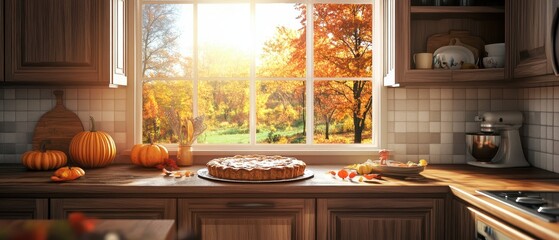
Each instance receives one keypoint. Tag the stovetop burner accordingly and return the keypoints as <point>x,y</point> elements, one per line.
<point>544,205</point>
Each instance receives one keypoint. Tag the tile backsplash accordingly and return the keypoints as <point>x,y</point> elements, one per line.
<point>422,123</point>
<point>20,109</point>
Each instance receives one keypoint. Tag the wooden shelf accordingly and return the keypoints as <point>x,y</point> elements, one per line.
<point>457,9</point>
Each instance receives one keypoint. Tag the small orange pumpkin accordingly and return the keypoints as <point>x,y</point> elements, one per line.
<point>44,159</point>
<point>67,173</point>
<point>148,155</point>
<point>92,149</point>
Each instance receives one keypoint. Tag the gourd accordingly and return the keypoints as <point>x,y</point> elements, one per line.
<point>67,173</point>
<point>92,149</point>
<point>148,155</point>
<point>44,159</point>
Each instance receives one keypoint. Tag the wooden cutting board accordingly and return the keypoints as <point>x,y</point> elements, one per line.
<point>58,126</point>
<point>436,41</point>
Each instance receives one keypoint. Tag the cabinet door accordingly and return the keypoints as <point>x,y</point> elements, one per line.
<point>400,218</point>
<point>462,222</point>
<point>23,208</point>
<point>120,208</point>
<point>2,43</point>
<point>59,42</point>
<point>531,48</point>
<point>247,219</point>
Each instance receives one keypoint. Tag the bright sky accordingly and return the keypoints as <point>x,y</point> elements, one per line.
<point>229,24</point>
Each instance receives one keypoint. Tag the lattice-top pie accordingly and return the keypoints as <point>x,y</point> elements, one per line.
<point>256,167</point>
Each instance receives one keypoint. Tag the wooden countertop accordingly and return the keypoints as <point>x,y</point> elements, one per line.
<point>460,180</point>
<point>128,229</point>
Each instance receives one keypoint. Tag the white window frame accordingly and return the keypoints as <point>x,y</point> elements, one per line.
<point>379,104</point>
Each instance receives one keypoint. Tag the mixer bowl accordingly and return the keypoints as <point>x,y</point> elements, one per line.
<point>483,146</point>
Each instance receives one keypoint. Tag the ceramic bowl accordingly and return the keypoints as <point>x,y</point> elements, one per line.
<point>452,57</point>
<point>495,49</point>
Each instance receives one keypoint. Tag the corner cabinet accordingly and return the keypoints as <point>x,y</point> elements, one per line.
<point>381,218</point>
<point>65,42</point>
<point>413,25</point>
<point>531,42</point>
<point>247,219</point>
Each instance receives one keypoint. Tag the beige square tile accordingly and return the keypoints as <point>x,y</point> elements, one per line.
<point>446,127</point>
<point>471,93</point>
<point>424,138</point>
<point>400,93</point>
<point>400,127</point>
<point>120,138</point>
<point>447,105</point>
<point>400,116</point>
<point>33,94</point>
<point>391,105</point>
<point>400,138</point>
<point>412,137</point>
<point>434,149</point>
<point>400,105</point>
<point>496,93</point>
<point>412,127</point>
<point>83,105</point>
<point>496,105</point>
<point>45,94</point>
<point>435,127</point>
<point>471,105</point>
<point>446,137</point>
<point>108,116</point>
<point>120,126</point>
<point>459,127</point>
<point>95,105</point>
<point>446,148</point>
<point>21,93</point>
<point>71,105</point>
<point>459,105</point>
<point>21,105</point>
<point>446,93</point>
<point>459,116</point>
<point>411,105</point>
<point>423,93</point>
<point>83,93</point>
<point>390,93</point>
<point>411,116</point>
<point>71,94</point>
<point>458,93</point>
<point>434,158</point>
<point>108,105</point>
<point>120,116</point>
<point>21,116</point>
<point>412,94</point>
<point>108,94</point>
<point>46,104</point>
<point>446,116</point>
<point>33,105</point>
<point>390,138</point>
<point>556,92</point>
<point>412,149</point>
<point>435,105</point>
<point>423,149</point>
<point>96,93</point>
<point>484,105</point>
<point>423,127</point>
<point>423,105</point>
<point>423,116</point>
<point>434,93</point>
<point>483,94</point>
<point>510,93</point>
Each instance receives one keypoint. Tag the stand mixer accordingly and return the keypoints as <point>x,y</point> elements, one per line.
<point>498,144</point>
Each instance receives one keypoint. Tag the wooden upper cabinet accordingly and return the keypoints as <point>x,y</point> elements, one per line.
<point>415,24</point>
<point>531,47</point>
<point>66,42</point>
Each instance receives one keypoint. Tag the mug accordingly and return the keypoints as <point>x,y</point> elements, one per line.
<point>494,62</point>
<point>423,60</point>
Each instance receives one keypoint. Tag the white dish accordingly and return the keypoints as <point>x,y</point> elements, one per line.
<point>396,168</point>
<point>452,57</point>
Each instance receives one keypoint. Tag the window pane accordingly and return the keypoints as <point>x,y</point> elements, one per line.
<point>342,111</point>
<point>164,103</point>
<point>224,40</point>
<point>225,104</point>
<point>280,40</point>
<point>280,112</point>
<point>343,40</point>
<point>167,40</point>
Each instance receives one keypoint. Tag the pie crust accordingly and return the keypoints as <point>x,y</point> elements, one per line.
<point>256,167</point>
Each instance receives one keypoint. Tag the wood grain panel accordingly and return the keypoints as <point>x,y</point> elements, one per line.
<point>121,208</point>
<point>23,208</point>
<point>380,218</point>
<point>462,225</point>
<point>247,218</point>
<point>2,43</point>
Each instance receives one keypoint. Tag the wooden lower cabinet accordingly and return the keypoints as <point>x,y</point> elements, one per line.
<point>246,219</point>
<point>462,221</point>
<point>23,208</point>
<point>381,218</point>
<point>119,208</point>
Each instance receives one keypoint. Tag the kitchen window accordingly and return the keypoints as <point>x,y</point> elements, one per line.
<point>264,74</point>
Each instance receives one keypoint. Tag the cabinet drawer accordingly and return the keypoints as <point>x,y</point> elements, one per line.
<point>23,208</point>
<point>247,218</point>
<point>122,208</point>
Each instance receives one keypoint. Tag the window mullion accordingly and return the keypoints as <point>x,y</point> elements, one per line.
<point>252,80</point>
<point>195,62</point>
<point>309,101</point>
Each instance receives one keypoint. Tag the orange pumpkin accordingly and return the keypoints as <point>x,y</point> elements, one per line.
<point>67,173</point>
<point>148,155</point>
<point>43,159</point>
<point>92,149</point>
